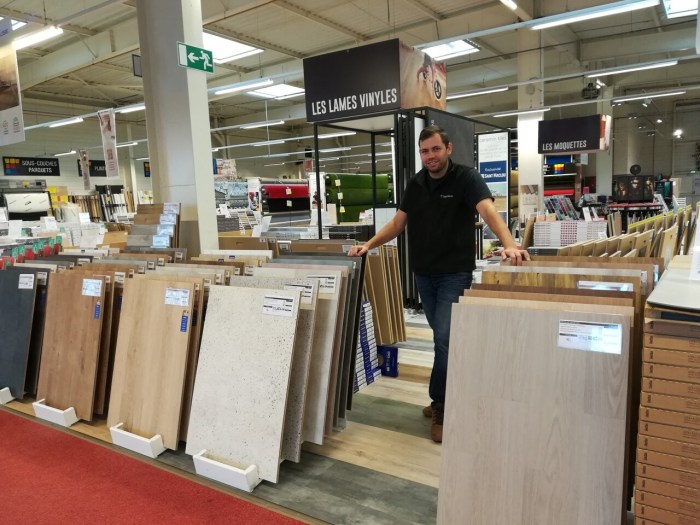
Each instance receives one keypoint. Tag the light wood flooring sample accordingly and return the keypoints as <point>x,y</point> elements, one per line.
<point>240,392</point>
<point>534,428</point>
<point>70,350</point>
<point>151,358</point>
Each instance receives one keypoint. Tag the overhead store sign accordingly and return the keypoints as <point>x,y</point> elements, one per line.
<point>574,135</point>
<point>31,166</point>
<point>368,79</point>
<point>195,58</point>
<point>97,168</point>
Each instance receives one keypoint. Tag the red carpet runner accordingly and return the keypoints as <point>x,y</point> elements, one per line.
<point>51,477</point>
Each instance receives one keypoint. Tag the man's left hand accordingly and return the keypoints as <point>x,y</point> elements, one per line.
<point>515,255</point>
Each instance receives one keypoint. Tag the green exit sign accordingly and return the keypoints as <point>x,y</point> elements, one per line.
<point>195,58</point>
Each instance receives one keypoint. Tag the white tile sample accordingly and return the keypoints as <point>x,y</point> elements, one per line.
<point>317,389</point>
<point>303,347</point>
<point>240,393</point>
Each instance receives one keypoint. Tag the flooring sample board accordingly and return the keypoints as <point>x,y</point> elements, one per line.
<point>151,358</point>
<point>535,432</point>
<point>677,292</point>
<point>240,393</point>
<point>71,345</point>
<point>320,391</point>
<point>17,293</point>
<point>306,344</point>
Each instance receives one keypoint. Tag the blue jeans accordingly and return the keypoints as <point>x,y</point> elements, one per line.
<point>437,294</point>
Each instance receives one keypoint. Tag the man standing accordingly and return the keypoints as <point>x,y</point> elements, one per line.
<point>439,207</point>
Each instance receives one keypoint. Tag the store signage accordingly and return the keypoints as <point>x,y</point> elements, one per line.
<point>97,168</point>
<point>147,169</point>
<point>367,79</point>
<point>493,151</point>
<point>31,166</point>
<point>195,58</point>
<point>572,135</point>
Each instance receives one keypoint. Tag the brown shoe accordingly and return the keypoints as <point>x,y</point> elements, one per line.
<point>428,411</point>
<point>436,424</point>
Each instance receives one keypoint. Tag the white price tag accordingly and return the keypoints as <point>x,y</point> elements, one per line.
<point>326,283</point>
<point>599,285</point>
<point>42,278</point>
<point>26,281</point>
<point>92,287</point>
<point>288,191</point>
<point>374,251</point>
<point>84,218</point>
<point>346,248</point>
<point>168,218</point>
<point>590,337</point>
<point>119,277</point>
<point>249,270</point>
<point>337,182</point>
<point>171,208</point>
<point>177,296</point>
<point>289,204</point>
<point>49,224</point>
<point>340,195</point>
<point>278,305</point>
<point>307,291</point>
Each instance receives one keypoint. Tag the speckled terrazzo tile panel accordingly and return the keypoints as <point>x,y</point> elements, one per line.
<point>240,392</point>
<point>320,369</point>
<point>303,348</point>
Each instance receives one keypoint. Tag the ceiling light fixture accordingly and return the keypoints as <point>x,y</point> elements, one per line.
<point>74,120</point>
<point>267,143</point>
<point>131,109</point>
<point>278,92</point>
<point>143,158</point>
<point>629,69</point>
<point>38,36</point>
<point>510,4</point>
<point>521,112</point>
<point>126,144</point>
<point>648,95</point>
<point>242,86</point>
<point>579,15</point>
<point>71,152</point>
<point>227,50</point>
<point>338,134</point>
<point>263,124</point>
<point>477,92</point>
<point>451,49</point>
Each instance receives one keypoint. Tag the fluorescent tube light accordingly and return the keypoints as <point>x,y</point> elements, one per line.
<point>579,15</point>
<point>510,4</point>
<point>75,120</point>
<point>34,38</point>
<point>274,164</point>
<point>225,50</point>
<point>254,125</point>
<point>338,134</point>
<point>267,143</point>
<point>143,158</point>
<point>127,144</point>
<point>244,86</point>
<point>131,109</point>
<point>477,92</point>
<point>332,150</point>
<point>71,152</point>
<point>648,95</point>
<point>629,69</point>
<point>278,91</point>
<point>521,112</point>
<point>450,50</point>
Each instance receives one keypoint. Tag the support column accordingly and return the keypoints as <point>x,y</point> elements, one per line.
<point>177,118</point>
<point>604,159</point>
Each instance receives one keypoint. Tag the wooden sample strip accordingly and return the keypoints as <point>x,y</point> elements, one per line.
<point>17,294</point>
<point>240,393</point>
<point>528,437</point>
<point>70,350</point>
<point>669,489</point>
<point>151,358</point>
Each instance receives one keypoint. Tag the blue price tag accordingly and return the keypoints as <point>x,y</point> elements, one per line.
<point>97,311</point>
<point>183,323</point>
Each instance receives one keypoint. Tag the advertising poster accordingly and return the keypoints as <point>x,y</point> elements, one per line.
<point>493,154</point>
<point>11,120</point>
<point>108,129</point>
<point>423,80</point>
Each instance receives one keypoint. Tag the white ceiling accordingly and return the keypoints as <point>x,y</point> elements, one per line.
<point>89,67</point>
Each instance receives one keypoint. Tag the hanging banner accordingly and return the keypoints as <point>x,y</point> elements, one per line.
<point>11,119</point>
<point>84,165</point>
<point>108,129</point>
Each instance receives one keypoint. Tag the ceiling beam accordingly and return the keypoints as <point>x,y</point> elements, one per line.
<point>229,13</point>
<point>425,10</point>
<point>320,20</point>
<point>246,39</point>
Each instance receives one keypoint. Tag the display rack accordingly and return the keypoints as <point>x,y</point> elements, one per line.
<point>151,447</point>
<point>241,478</point>
<point>65,418</point>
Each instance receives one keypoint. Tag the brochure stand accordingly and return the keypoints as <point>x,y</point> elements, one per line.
<point>151,447</point>
<point>243,479</point>
<point>64,418</point>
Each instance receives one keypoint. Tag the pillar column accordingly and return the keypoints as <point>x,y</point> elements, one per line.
<point>604,159</point>
<point>177,118</point>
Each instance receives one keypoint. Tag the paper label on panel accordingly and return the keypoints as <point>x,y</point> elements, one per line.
<point>119,277</point>
<point>168,218</point>
<point>92,287</point>
<point>278,305</point>
<point>326,283</point>
<point>151,265</point>
<point>26,281</point>
<point>596,285</point>
<point>236,271</point>
<point>249,270</point>
<point>177,296</point>
<point>374,251</point>
<point>42,277</point>
<point>306,290</point>
<point>590,337</point>
<point>346,248</point>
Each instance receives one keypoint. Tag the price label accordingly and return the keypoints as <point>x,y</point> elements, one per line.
<point>307,290</point>
<point>590,337</point>
<point>340,195</point>
<point>92,287</point>
<point>337,182</point>
<point>279,305</point>
<point>177,296</point>
<point>26,281</point>
<point>288,191</point>
<point>289,204</point>
<point>326,283</point>
<point>84,218</point>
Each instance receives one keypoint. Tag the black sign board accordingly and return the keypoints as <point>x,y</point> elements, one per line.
<point>569,135</point>
<point>353,82</point>
<point>31,166</point>
<point>97,168</point>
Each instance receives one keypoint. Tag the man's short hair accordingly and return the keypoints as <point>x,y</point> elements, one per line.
<point>428,132</point>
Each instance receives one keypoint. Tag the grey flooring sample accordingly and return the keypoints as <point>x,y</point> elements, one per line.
<point>678,291</point>
<point>240,393</point>
<point>17,294</point>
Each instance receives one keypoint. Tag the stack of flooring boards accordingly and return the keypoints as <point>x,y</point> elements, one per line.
<point>541,411</point>
<point>668,457</point>
<point>234,352</point>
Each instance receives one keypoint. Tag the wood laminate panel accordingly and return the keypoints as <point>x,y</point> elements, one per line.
<point>534,432</point>
<point>151,358</point>
<point>240,393</point>
<point>17,295</point>
<point>71,343</point>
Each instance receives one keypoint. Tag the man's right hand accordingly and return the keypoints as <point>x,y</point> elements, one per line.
<point>358,250</point>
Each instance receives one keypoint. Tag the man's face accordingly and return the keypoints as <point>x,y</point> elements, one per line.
<point>434,154</point>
